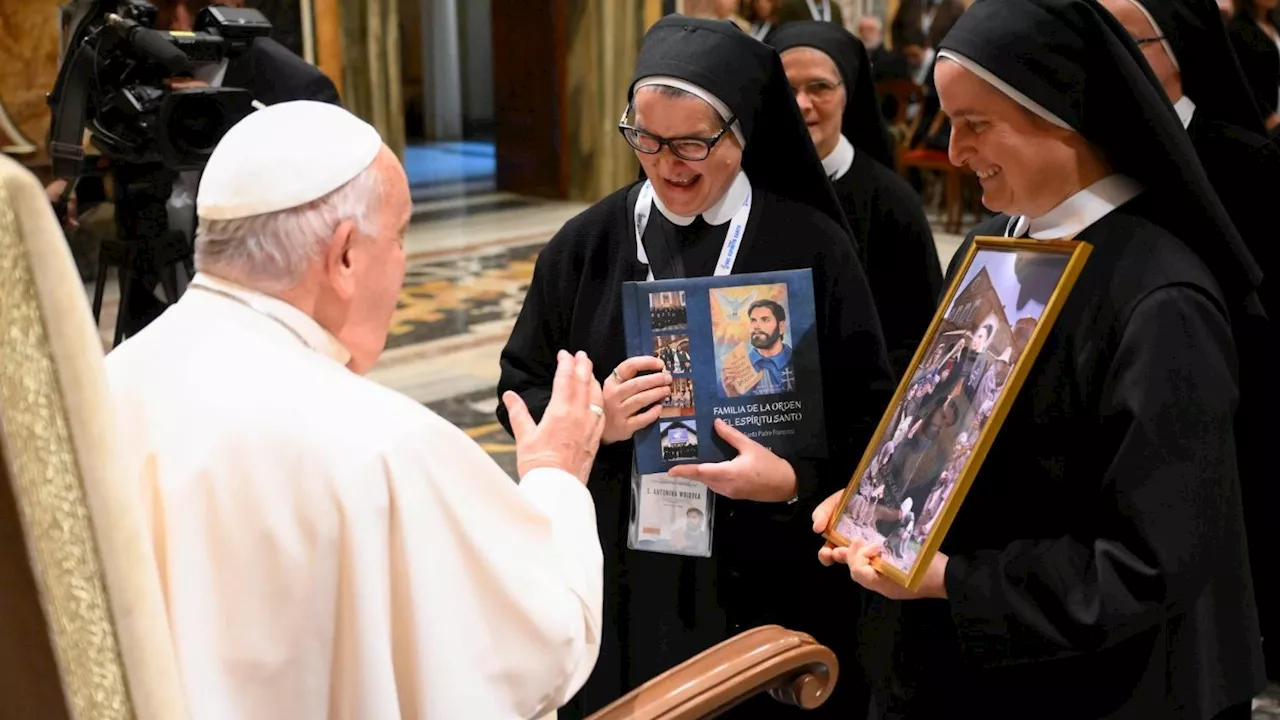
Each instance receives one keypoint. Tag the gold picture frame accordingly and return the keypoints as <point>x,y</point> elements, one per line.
<point>949,407</point>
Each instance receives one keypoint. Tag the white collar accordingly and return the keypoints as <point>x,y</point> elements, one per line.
<point>296,321</point>
<point>838,161</point>
<point>1185,109</point>
<point>1079,211</point>
<point>721,211</point>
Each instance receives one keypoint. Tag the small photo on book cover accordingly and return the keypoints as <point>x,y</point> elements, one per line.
<point>679,440</point>
<point>742,349</point>
<point>680,402</point>
<point>673,351</point>
<point>667,310</point>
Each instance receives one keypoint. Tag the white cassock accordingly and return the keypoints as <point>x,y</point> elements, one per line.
<point>329,548</point>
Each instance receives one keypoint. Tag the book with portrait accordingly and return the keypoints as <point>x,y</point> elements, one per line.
<point>741,348</point>
<point>947,410</point>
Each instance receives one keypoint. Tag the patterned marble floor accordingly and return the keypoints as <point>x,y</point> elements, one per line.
<point>470,261</point>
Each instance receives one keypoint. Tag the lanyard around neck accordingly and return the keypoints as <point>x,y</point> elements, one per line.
<point>825,15</point>
<point>732,239</point>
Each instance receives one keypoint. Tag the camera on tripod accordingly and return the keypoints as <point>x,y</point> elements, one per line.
<point>112,82</point>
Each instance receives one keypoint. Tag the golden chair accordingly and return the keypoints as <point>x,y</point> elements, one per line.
<point>83,633</point>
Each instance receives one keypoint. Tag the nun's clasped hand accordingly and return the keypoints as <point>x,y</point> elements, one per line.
<point>755,474</point>
<point>631,400</point>
<point>860,557</point>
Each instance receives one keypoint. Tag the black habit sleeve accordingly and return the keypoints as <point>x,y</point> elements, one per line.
<point>273,74</point>
<point>1168,395</point>
<point>1259,60</point>
<point>528,360</point>
<point>857,380</point>
<point>901,257</point>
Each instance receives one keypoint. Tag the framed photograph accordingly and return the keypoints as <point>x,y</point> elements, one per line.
<point>948,409</point>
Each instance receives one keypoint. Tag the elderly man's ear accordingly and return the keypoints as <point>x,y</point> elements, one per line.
<point>339,263</point>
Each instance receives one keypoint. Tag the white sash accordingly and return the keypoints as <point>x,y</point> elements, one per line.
<point>732,239</point>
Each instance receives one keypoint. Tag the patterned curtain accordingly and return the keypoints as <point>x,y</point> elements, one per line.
<point>604,38</point>
<point>371,80</point>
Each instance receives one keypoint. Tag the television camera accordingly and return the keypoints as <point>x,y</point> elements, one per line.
<point>115,82</point>
<point>112,82</point>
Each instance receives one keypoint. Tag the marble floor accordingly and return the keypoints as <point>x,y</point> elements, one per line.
<point>470,261</point>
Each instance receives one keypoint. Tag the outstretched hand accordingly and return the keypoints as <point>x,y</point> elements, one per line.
<point>755,474</point>
<point>569,434</point>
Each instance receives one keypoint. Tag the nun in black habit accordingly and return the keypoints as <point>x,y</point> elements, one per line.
<point>1098,565</point>
<point>1190,54</point>
<point>701,84</point>
<point>1199,72</point>
<point>830,71</point>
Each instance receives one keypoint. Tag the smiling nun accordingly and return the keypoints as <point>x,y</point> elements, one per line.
<point>829,69</point>
<point>715,128</point>
<point>1098,565</point>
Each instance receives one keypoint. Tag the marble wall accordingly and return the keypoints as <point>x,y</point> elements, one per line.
<point>29,58</point>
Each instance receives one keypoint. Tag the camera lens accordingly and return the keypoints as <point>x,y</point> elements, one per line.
<point>198,123</point>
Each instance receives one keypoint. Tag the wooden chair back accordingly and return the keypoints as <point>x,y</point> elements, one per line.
<point>790,666</point>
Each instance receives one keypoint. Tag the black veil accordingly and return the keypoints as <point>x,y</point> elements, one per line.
<point>1211,74</point>
<point>747,76</point>
<point>1079,63</point>
<point>863,123</point>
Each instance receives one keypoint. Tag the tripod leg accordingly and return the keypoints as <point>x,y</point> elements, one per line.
<point>169,279</point>
<point>126,284</point>
<point>100,287</point>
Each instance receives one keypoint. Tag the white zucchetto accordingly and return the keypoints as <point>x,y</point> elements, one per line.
<point>284,156</point>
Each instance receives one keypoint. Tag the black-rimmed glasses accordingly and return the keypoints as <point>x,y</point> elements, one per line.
<point>691,149</point>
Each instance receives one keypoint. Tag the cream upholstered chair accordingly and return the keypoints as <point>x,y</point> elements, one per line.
<point>83,634</point>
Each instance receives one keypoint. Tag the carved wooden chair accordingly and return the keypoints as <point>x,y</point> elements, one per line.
<point>83,633</point>
<point>790,666</point>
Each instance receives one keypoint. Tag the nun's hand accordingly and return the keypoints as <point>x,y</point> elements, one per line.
<point>755,474</point>
<point>822,518</point>
<point>633,401</point>
<point>861,555</point>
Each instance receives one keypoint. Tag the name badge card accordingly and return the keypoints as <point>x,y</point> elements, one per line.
<point>670,515</point>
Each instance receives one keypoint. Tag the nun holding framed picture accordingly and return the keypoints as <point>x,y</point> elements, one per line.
<point>950,405</point>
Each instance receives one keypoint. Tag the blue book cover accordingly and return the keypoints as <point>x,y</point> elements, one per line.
<point>742,348</point>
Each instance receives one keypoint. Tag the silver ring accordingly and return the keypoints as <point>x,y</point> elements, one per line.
<point>616,376</point>
<point>597,410</point>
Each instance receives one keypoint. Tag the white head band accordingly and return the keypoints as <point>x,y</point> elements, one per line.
<point>701,93</point>
<point>1155,26</point>
<point>1004,87</point>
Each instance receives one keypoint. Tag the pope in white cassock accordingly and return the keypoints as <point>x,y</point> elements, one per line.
<point>327,547</point>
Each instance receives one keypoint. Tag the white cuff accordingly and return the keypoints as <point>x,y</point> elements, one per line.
<point>567,503</point>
